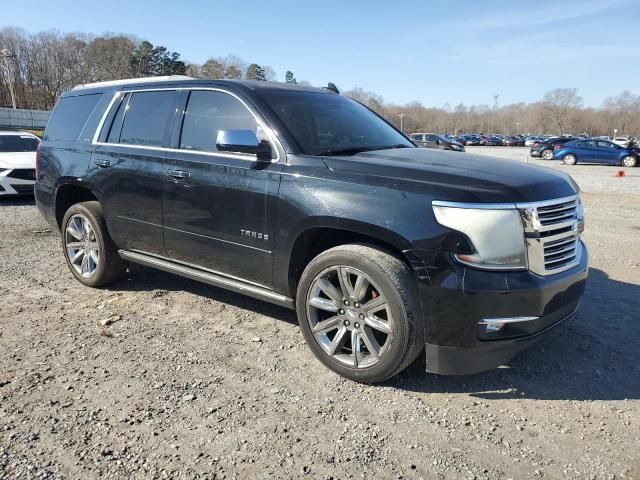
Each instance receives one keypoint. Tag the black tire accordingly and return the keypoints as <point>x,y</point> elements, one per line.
<point>548,152</point>
<point>629,161</point>
<point>110,265</point>
<point>570,159</point>
<point>396,283</point>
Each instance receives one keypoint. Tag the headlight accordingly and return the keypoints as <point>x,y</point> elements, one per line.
<point>496,235</point>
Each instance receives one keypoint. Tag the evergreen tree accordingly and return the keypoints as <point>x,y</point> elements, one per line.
<point>289,78</point>
<point>255,72</point>
<point>147,60</point>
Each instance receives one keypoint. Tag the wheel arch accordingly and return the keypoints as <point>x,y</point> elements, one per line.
<point>323,235</point>
<point>68,194</point>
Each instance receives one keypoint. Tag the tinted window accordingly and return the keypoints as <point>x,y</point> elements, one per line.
<point>18,143</point>
<point>146,118</point>
<point>114,131</point>
<point>418,138</point>
<point>322,122</point>
<point>209,112</point>
<point>602,144</point>
<point>69,117</point>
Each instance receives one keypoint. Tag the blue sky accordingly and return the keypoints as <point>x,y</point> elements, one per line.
<point>435,52</point>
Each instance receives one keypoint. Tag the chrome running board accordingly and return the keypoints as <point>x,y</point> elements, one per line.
<point>235,285</point>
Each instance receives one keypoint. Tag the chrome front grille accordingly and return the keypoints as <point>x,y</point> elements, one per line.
<point>557,213</point>
<point>552,234</point>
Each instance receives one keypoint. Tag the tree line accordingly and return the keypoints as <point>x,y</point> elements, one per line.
<point>560,111</point>
<point>40,66</point>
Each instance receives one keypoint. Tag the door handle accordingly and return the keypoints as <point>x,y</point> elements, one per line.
<point>178,174</point>
<point>103,163</point>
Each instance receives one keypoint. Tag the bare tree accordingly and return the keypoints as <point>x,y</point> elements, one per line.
<point>559,102</point>
<point>621,110</point>
<point>212,68</point>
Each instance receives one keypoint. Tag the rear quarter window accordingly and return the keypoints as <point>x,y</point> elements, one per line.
<point>69,116</point>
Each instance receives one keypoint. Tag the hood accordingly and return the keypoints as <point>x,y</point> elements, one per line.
<point>457,176</point>
<point>17,160</point>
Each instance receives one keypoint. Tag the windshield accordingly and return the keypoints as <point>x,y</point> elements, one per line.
<point>18,143</point>
<point>325,124</point>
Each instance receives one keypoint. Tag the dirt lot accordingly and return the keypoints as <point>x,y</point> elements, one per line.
<point>193,382</point>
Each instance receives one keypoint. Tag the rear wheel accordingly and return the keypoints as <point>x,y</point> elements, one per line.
<point>569,159</point>
<point>90,253</point>
<point>547,154</point>
<point>358,310</point>
<point>629,161</point>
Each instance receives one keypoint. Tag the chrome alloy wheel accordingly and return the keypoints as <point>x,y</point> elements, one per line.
<point>349,316</point>
<point>82,245</point>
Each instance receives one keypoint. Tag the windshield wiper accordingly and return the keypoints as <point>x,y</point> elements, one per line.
<point>397,145</point>
<point>356,150</point>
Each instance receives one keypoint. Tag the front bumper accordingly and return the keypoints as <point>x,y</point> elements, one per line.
<point>15,186</point>
<point>457,301</point>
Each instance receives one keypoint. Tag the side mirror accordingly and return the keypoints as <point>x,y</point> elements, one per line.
<point>243,141</point>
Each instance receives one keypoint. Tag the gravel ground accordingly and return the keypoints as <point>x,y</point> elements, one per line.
<point>161,377</point>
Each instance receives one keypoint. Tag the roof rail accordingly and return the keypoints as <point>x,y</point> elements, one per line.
<point>128,81</point>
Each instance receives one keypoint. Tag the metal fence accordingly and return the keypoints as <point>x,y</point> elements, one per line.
<point>32,119</point>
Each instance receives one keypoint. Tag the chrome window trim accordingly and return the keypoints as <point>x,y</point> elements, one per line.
<point>269,132</point>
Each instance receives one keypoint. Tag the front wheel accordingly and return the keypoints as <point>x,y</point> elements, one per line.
<point>90,253</point>
<point>629,161</point>
<point>547,154</point>
<point>569,159</point>
<point>358,310</point>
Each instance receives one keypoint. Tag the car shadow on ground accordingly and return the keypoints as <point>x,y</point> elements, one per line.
<point>141,278</point>
<point>17,201</point>
<point>594,356</point>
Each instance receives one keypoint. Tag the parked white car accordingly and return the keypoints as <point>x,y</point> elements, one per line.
<point>622,141</point>
<point>17,162</point>
<point>531,140</point>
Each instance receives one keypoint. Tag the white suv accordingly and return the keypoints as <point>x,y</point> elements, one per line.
<point>17,162</point>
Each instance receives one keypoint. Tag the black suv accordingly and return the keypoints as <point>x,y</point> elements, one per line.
<point>431,140</point>
<point>307,199</point>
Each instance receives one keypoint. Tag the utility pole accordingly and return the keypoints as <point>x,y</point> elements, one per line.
<point>402,115</point>
<point>517,124</point>
<point>5,55</point>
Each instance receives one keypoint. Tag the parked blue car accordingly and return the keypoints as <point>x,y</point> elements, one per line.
<point>594,151</point>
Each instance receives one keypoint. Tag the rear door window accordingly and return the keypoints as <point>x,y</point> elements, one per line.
<point>146,118</point>
<point>69,116</point>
